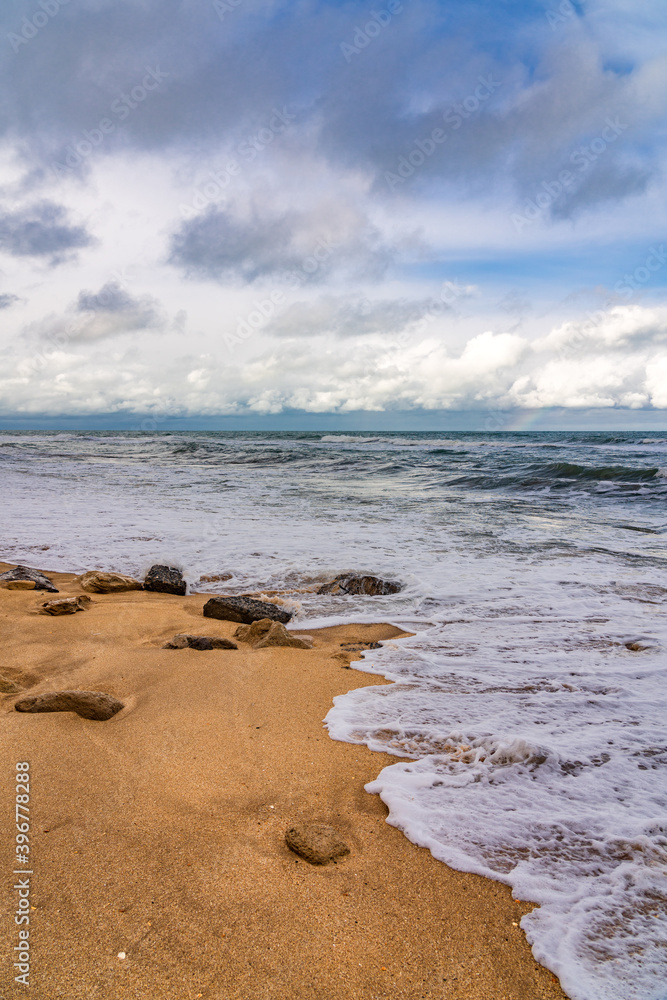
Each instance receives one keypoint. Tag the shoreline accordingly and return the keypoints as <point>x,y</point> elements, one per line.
<point>159,834</point>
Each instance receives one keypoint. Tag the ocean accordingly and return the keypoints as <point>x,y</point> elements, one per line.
<point>528,716</point>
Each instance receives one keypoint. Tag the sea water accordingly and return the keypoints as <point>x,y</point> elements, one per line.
<point>528,714</point>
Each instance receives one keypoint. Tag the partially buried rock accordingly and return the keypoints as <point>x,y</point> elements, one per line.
<point>165,580</point>
<point>94,705</point>
<point>25,573</point>
<point>265,632</point>
<point>107,583</point>
<point>66,605</point>
<point>18,585</point>
<point>317,843</point>
<point>245,610</point>
<point>9,686</point>
<point>358,647</point>
<point>199,642</point>
<point>370,585</point>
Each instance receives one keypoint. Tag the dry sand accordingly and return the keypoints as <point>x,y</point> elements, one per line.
<point>160,833</point>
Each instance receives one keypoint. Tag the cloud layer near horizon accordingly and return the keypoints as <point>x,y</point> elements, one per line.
<point>613,359</point>
<point>256,206</point>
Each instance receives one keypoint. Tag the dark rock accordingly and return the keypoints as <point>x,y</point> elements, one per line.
<point>316,843</point>
<point>66,605</point>
<point>371,585</point>
<point>245,610</point>
<point>223,644</point>
<point>178,642</point>
<point>88,704</point>
<point>25,573</point>
<point>107,583</point>
<point>165,580</point>
<point>199,642</point>
<point>357,647</point>
<point>265,632</point>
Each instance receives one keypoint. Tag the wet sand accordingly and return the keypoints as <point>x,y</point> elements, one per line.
<point>160,833</point>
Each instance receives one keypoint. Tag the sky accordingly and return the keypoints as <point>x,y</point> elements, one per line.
<point>309,209</point>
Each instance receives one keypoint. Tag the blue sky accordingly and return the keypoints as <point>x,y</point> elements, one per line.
<point>248,208</point>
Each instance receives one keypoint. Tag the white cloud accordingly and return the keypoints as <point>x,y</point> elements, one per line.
<point>372,373</point>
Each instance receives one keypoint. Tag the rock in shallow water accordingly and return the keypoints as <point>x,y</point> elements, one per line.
<point>25,573</point>
<point>265,632</point>
<point>66,605</point>
<point>95,705</point>
<point>315,842</point>
<point>245,610</point>
<point>107,583</point>
<point>165,580</point>
<point>371,585</point>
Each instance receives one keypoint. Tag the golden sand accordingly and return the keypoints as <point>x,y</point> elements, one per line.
<point>159,834</point>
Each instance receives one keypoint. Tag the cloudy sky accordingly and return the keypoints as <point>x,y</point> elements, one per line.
<point>260,207</point>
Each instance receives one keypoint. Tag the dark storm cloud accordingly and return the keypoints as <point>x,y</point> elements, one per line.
<point>110,298</point>
<point>608,182</point>
<point>97,316</point>
<point>286,246</point>
<point>41,230</point>
<point>218,245</point>
<point>113,310</point>
<point>512,90</point>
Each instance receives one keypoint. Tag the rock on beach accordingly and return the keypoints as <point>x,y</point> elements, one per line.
<point>183,641</point>
<point>165,580</point>
<point>40,581</point>
<point>66,605</point>
<point>265,632</point>
<point>96,582</point>
<point>245,610</point>
<point>316,843</point>
<point>95,705</point>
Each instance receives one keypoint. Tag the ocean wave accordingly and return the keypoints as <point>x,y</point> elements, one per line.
<point>620,473</point>
<point>558,475</point>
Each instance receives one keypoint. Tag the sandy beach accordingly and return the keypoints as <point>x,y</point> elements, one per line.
<point>159,834</point>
